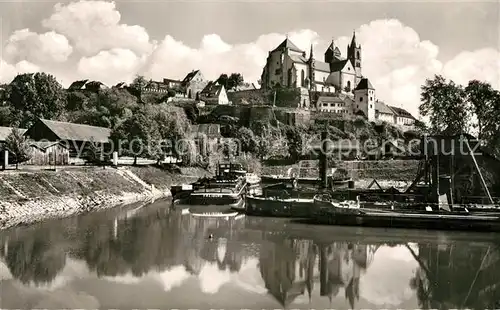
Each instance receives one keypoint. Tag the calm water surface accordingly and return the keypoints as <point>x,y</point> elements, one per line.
<point>151,257</point>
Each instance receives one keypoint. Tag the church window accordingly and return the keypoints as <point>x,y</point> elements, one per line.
<point>371,98</point>
<point>357,55</point>
<point>302,77</point>
<point>360,98</point>
<point>349,84</point>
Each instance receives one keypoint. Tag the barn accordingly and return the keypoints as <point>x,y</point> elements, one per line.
<point>77,138</point>
<point>48,153</point>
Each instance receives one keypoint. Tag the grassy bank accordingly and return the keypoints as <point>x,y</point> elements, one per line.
<point>28,197</point>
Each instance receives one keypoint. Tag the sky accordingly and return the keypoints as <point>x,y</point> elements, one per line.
<point>403,42</point>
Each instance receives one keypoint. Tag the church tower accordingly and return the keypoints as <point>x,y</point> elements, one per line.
<point>354,55</point>
<point>332,54</point>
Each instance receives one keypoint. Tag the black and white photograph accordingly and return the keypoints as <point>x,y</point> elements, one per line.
<point>249,154</point>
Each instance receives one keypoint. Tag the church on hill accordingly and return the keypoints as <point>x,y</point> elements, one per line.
<point>335,85</point>
<point>288,66</point>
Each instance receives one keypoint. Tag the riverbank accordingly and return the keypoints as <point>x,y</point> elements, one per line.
<point>27,197</point>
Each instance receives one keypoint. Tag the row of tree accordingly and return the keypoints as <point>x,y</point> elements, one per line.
<point>453,109</point>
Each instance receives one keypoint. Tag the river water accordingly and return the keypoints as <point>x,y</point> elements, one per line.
<point>151,257</point>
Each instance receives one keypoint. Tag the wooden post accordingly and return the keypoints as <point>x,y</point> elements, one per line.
<point>483,182</point>
<point>115,159</point>
<point>5,160</point>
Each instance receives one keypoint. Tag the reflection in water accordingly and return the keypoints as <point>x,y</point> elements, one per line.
<point>153,239</point>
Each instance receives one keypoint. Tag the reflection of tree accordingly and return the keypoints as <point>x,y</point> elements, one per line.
<point>35,259</point>
<point>457,277</point>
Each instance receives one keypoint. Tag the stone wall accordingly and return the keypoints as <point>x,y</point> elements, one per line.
<point>28,197</point>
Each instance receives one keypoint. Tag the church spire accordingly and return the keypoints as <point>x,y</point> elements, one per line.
<point>311,55</point>
<point>353,41</point>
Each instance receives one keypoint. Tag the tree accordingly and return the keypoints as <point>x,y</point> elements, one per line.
<point>138,84</point>
<point>36,95</point>
<point>248,141</point>
<point>232,81</point>
<point>295,143</point>
<point>482,98</point>
<point>445,104</point>
<point>138,136</point>
<point>17,146</point>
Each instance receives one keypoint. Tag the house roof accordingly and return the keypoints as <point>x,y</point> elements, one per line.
<point>401,112</point>
<point>337,66</point>
<point>246,86</point>
<point>212,89</point>
<point>332,99</point>
<point>77,84</point>
<point>77,132</point>
<point>381,107</point>
<point>190,76</point>
<point>170,81</point>
<point>289,45</point>
<point>364,84</point>
<point>6,131</point>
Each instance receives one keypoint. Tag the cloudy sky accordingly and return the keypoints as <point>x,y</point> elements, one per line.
<point>403,42</point>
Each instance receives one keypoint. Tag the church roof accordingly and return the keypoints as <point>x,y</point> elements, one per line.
<point>289,45</point>
<point>364,84</point>
<point>338,65</point>
<point>381,107</point>
<point>321,66</point>
<point>298,59</point>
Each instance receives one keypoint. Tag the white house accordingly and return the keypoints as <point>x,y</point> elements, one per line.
<point>214,93</point>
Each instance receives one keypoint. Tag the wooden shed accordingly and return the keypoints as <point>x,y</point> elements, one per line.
<point>77,138</point>
<point>48,153</point>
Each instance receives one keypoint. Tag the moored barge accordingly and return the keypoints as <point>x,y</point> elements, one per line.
<point>221,194</point>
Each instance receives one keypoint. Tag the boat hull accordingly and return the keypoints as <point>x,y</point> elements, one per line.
<point>333,208</point>
<point>410,220</point>
<point>295,208</point>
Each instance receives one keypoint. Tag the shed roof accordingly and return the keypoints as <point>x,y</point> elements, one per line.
<point>6,131</point>
<point>77,132</point>
<point>44,145</point>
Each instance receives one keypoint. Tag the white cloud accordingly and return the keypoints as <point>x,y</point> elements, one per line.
<point>39,48</point>
<point>394,57</point>
<point>482,64</point>
<point>110,66</point>
<point>93,26</point>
